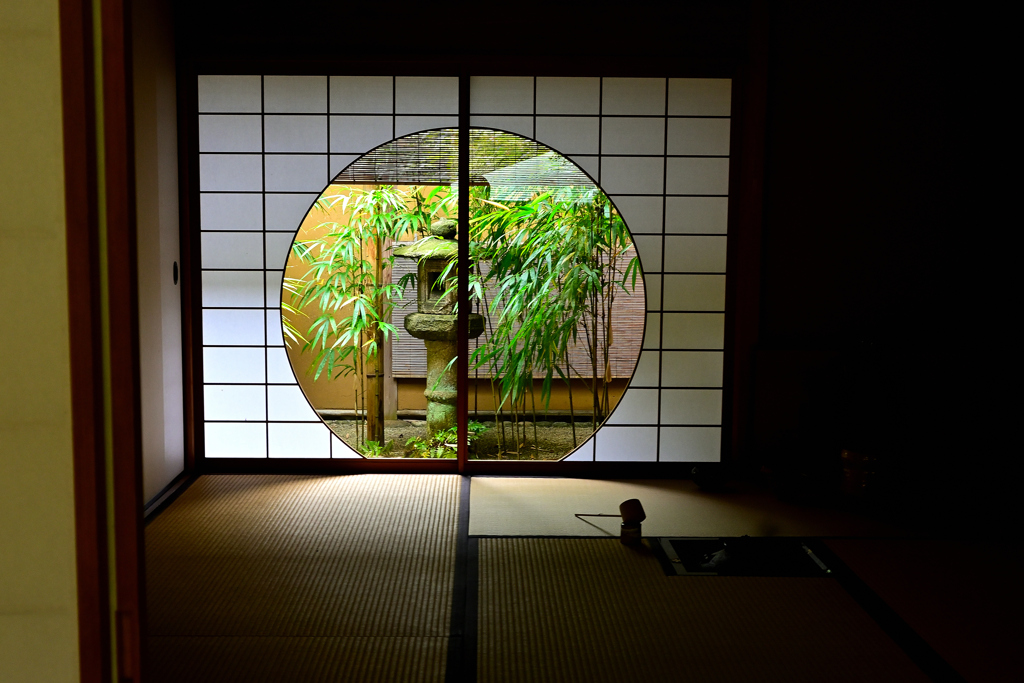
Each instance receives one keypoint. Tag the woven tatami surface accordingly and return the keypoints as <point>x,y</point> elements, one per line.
<point>291,577</point>
<point>546,506</point>
<point>593,610</point>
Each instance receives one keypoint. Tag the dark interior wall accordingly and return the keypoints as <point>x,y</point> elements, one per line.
<point>875,328</point>
<point>414,31</point>
<point>871,336</point>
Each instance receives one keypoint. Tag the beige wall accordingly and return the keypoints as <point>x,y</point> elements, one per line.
<point>38,617</point>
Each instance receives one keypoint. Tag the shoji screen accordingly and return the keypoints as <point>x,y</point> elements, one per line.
<point>268,146</point>
<point>660,149</point>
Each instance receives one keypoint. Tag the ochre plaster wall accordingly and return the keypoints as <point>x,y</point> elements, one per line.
<point>335,394</point>
<point>38,614</point>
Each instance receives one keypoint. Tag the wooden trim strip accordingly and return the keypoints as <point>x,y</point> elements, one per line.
<point>82,235</point>
<point>122,302</point>
<point>589,66</point>
<point>743,285</point>
<point>587,469</point>
<point>190,272</point>
<point>462,364</point>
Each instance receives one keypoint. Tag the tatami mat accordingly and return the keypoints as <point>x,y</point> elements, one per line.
<point>593,610</point>
<point>516,506</point>
<point>289,659</point>
<point>253,560</point>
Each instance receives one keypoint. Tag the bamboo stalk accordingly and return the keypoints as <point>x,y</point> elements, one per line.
<point>533,407</point>
<point>572,411</point>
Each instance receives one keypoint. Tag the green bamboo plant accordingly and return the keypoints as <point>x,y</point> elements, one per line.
<point>347,281</point>
<point>554,267</point>
<point>547,271</point>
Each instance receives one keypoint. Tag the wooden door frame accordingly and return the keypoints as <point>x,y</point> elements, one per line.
<point>103,327</point>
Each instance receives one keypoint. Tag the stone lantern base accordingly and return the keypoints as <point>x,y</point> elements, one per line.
<point>439,333</point>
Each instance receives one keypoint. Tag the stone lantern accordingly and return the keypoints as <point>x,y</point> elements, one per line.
<point>435,321</point>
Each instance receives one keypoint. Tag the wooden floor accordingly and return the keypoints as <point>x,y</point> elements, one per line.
<point>378,578</point>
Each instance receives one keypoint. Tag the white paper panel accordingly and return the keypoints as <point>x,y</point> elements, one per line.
<point>692,368</point>
<point>234,402</point>
<point>698,136</point>
<point>298,94</point>
<point>232,328</point>
<point>699,96</point>
<point>637,406</point>
<point>426,95</point>
<point>232,288</point>
<point>272,288</point>
<point>295,133</point>
<point>632,136</point>
<point>695,254</point>
<point>569,134</point>
<point>278,244</point>
<point>694,293</point>
<point>642,214</point>
<point>359,133</point>
<point>339,162</point>
<point>646,374</point>
<point>361,94</point>
<point>231,211</point>
<point>232,249</point>
<point>648,248</point>
<point>691,406</point>
<point>299,440</point>
<point>691,444</point>
<point>233,133</point>
<point>627,444</point>
<point>585,453</point>
<point>589,165</point>
<point>235,366</point>
<point>236,440</point>
<point>275,334</point>
<point>697,214</point>
<point>404,125</point>
<point>279,368</point>
<point>652,290</point>
<point>521,125</point>
<point>634,96</point>
<point>229,93</point>
<point>568,95</point>
<point>694,330</point>
<point>339,449</point>
<point>289,403</point>
<point>652,331</point>
<point>286,211</point>
<point>633,175</point>
<point>501,95</point>
<point>230,172</point>
<point>697,176</point>
<point>296,173</point>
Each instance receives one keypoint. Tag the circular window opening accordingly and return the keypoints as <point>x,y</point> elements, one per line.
<point>369,302</point>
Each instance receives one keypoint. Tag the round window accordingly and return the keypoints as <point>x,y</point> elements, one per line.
<point>370,300</point>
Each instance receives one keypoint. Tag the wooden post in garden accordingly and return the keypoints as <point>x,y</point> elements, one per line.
<point>375,378</point>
